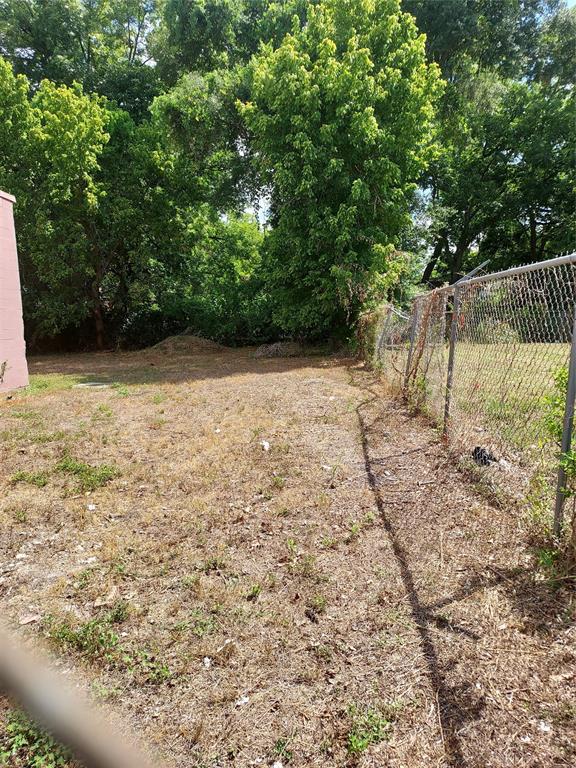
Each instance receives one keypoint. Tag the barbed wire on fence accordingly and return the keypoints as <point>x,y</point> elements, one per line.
<point>506,337</point>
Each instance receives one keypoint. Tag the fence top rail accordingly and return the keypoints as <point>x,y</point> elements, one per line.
<point>403,315</point>
<point>557,262</point>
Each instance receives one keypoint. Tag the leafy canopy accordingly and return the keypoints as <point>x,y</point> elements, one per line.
<point>341,117</point>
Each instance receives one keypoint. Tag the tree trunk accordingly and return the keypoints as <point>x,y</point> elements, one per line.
<point>533,238</point>
<point>98,315</point>
<point>457,259</point>
<point>438,248</point>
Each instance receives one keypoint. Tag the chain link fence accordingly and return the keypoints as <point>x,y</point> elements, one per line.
<point>487,359</point>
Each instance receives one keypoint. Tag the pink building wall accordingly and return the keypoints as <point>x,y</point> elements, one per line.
<point>13,367</point>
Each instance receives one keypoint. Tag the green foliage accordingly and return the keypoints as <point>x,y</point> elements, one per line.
<point>202,623</point>
<point>203,35</point>
<point>282,750</point>
<point>154,671</point>
<point>138,135</point>
<point>24,744</point>
<point>39,479</point>
<point>555,405</point>
<point>83,41</point>
<point>340,114</point>
<point>97,641</point>
<point>369,727</point>
<point>554,423</point>
<point>50,162</point>
<point>88,476</point>
<point>219,293</point>
<point>254,592</point>
<point>502,185</point>
<point>559,557</point>
<point>94,639</point>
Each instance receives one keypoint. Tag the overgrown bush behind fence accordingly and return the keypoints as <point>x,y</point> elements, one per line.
<point>511,337</point>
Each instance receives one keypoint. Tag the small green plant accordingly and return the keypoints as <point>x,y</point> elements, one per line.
<point>118,566</point>
<point>354,530</point>
<point>39,479</point>
<point>281,750</point>
<point>202,623</point>
<point>83,578</point>
<point>89,477</point>
<point>191,581</point>
<point>20,516</point>
<point>278,481</point>
<point>119,612</point>
<point>323,652</point>
<point>254,592</point>
<point>93,639</point>
<point>369,726</point>
<point>24,744</point>
<point>48,437</point>
<point>547,559</point>
<point>181,626</point>
<point>152,669</point>
<point>105,411</point>
<point>318,603</point>
<point>305,567</point>
<point>212,564</point>
<point>103,692</point>
<point>159,398</point>
<point>121,389</point>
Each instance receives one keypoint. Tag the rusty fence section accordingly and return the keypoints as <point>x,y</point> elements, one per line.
<point>492,360</point>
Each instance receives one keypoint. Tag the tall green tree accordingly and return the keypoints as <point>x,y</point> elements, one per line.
<point>203,35</point>
<point>468,36</point>
<point>341,116</point>
<point>51,163</point>
<point>500,187</point>
<point>102,44</point>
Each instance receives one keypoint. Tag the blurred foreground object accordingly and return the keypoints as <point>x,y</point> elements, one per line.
<point>54,707</point>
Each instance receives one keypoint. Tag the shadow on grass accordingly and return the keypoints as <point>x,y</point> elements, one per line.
<point>456,704</point>
<point>145,367</point>
<point>545,607</point>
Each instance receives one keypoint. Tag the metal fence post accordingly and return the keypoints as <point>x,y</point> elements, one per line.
<point>566,433</point>
<point>451,356</point>
<point>415,320</point>
<point>383,332</point>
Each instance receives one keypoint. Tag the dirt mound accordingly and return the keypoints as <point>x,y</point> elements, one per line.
<point>186,343</point>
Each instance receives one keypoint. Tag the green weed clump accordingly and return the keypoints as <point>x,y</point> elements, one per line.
<point>49,382</point>
<point>39,479</point>
<point>97,641</point>
<point>89,477</point>
<point>94,639</point>
<point>24,744</point>
<point>369,726</point>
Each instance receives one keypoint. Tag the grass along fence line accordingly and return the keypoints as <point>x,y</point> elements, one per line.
<point>510,334</point>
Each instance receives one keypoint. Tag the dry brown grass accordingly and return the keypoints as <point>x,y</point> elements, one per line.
<point>347,576</point>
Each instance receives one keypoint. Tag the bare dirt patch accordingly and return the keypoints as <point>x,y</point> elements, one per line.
<point>257,561</point>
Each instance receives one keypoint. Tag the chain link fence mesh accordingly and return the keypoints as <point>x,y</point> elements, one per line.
<point>392,344</point>
<point>512,336</point>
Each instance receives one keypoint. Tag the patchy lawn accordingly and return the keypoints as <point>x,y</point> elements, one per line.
<point>252,562</point>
